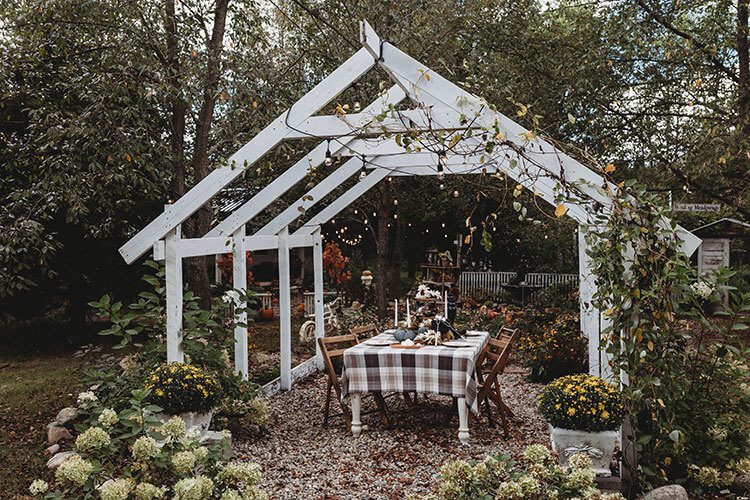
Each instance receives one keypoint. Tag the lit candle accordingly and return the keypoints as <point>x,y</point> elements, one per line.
<point>408,314</point>
<point>446,304</point>
<point>395,313</point>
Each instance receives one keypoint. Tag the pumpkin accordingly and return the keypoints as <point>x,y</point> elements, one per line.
<point>401,335</point>
<point>491,315</point>
<point>266,313</point>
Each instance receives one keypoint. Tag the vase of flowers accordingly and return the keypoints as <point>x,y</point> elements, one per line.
<point>187,391</point>
<point>585,413</point>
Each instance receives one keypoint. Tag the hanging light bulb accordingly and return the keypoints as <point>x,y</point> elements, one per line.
<point>395,216</point>
<point>395,202</point>
<point>440,169</point>
<point>442,225</point>
<point>455,193</point>
<point>357,106</point>
<point>363,172</point>
<point>442,186</point>
<point>356,211</point>
<point>329,159</point>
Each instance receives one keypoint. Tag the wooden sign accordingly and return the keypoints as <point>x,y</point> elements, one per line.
<point>697,207</point>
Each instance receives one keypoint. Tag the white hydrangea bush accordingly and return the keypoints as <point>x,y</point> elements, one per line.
<point>132,455</point>
<point>536,476</point>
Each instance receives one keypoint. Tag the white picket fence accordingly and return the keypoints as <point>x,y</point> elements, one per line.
<point>473,283</point>
<point>549,279</point>
<point>479,283</point>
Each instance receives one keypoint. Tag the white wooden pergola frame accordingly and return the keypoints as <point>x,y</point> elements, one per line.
<point>449,106</point>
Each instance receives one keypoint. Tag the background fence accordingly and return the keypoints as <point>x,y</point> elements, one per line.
<point>481,284</point>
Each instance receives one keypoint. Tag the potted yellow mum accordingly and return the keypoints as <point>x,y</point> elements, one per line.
<point>184,390</point>
<point>585,413</point>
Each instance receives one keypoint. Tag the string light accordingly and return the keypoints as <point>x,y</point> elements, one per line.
<point>357,106</point>
<point>455,193</point>
<point>329,160</point>
<point>442,186</point>
<point>395,202</point>
<point>363,172</point>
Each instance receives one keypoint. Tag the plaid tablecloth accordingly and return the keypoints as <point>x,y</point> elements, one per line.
<point>438,370</point>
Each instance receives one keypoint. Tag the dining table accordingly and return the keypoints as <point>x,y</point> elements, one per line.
<point>382,365</point>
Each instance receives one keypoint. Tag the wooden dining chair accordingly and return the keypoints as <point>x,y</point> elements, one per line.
<point>332,349</point>
<point>489,366</point>
<point>365,331</point>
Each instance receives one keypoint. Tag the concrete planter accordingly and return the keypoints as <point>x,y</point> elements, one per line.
<point>200,420</point>
<point>600,446</point>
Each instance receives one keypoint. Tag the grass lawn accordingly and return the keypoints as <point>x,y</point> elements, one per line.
<point>32,391</point>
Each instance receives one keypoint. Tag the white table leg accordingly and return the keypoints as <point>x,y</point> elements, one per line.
<point>356,414</point>
<point>463,421</point>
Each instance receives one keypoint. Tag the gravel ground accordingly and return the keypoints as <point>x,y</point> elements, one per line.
<point>302,459</point>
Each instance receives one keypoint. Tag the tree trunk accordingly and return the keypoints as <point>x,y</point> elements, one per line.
<point>177,114</point>
<point>200,223</point>
<point>381,285</point>
<point>743,56</point>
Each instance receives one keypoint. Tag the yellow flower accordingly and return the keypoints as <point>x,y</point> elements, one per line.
<point>571,411</point>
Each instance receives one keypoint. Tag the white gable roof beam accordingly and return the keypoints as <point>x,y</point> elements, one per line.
<point>433,89</point>
<point>335,83</point>
<point>295,173</point>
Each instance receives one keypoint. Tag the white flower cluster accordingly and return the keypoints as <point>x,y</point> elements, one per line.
<point>116,489</point>
<point>183,462</point>
<point>580,461</point>
<point>108,418</point>
<point>424,292</point>
<point>92,438</point>
<point>231,297</point>
<point>743,466</point>
<point>74,471</point>
<point>193,488</point>
<point>87,398</point>
<point>144,448</point>
<point>241,473</point>
<point>38,487</point>
<point>173,429</point>
<point>702,289</point>
<point>537,453</point>
<point>718,433</point>
<point>147,491</point>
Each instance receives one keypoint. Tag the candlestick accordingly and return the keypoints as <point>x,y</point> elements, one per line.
<point>446,304</point>
<point>395,313</point>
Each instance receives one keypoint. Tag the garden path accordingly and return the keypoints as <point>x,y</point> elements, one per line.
<point>301,459</point>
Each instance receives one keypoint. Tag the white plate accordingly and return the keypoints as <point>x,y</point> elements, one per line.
<point>379,343</point>
<point>455,343</point>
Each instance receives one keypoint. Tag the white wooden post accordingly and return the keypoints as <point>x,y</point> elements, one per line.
<point>173,277</point>
<point>589,314</point>
<point>239,282</point>
<point>318,277</point>
<point>285,311</point>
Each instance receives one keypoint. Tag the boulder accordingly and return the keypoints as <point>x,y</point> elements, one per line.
<point>741,484</point>
<point>55,434</point>
<point>52,449</point>
<point>66,416</point>
<point>670,492</point>
<point>59,458</point>
<point>261,358</point>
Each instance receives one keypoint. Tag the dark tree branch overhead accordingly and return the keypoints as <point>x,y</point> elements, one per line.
<point>698,44</point>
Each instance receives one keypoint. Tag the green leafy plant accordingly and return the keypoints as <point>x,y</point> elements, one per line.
<point>551,343</point>
<point>179,387</point>
<point>583,403</point>
<point>536,476</point>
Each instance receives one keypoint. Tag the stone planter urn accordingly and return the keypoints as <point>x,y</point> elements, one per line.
<point>599,446</point>
<point>199,420</point>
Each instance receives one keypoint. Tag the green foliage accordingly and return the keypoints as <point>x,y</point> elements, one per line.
<point>133,454</point>
<point>582,403</point>
<point>536,476</point>
<point>684,387</point>
<point>179,388</point>
<point>551,343</point>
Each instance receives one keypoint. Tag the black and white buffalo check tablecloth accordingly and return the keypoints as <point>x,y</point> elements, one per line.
<point>432,369</point>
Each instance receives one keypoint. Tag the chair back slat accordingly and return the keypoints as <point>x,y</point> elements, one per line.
<point>498,351</point>
<point>341,343</point>
<point>364,331</point>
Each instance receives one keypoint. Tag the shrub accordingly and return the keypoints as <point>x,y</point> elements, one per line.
<point>551,344</point>
<point>536,476</point>
<point>179,387</point>
<point>144,459</point>
<point>582,402</point>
